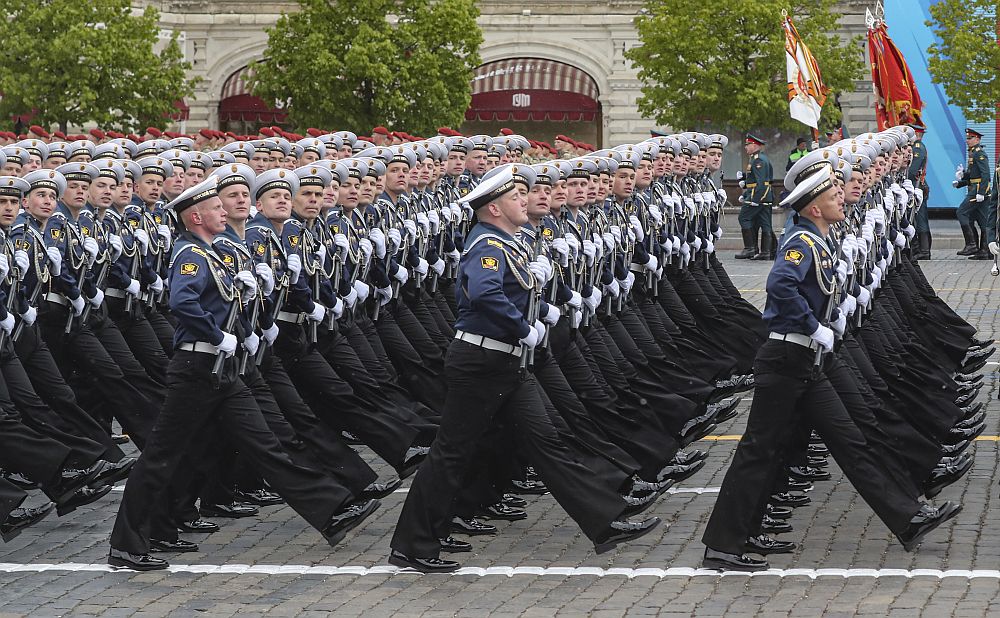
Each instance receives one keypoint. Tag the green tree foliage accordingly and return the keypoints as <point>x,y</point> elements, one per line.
<point>723,63</point>
<point>346,64</point>
<point>967,60</point>
<point>78,61</point>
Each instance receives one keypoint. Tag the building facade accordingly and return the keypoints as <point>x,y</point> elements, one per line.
<point>546,69</point>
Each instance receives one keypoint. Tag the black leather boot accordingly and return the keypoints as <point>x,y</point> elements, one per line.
<point>970,241</point>
<point>924,250</point>
<point>749,245</point>
<point>983,251</point>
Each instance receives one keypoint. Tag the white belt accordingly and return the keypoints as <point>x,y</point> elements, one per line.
<point>58,299</point>
<point>115,293</point>
<point>487,343</point>
<point>199,346</point>
<point>288,316</point>
<point>803,340</point>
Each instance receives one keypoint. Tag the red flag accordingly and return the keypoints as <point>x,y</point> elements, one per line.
<point>896,98</point>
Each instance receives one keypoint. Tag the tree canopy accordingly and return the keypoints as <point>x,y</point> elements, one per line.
<point>966,61</point>
<point>345,64</point>
<point>78,61</point>
<point>723,63</point>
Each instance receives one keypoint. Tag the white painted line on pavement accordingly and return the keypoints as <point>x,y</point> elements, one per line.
<point>672,490</point>
<point>507,571</point>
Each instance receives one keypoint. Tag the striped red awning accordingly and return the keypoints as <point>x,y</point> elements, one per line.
<point>532,89</point>
<point>238,104</point>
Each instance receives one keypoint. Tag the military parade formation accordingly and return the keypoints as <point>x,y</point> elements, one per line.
<point>250,309</point>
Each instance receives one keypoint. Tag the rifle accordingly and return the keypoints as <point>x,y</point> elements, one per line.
<point>220,358</point>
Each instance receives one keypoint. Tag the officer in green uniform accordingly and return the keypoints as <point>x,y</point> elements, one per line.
<point>973,208</point>
<point>917,174</point>
<point>755,203</point>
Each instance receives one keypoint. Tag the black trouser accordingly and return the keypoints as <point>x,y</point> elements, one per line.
<point>191,403</point>
<point>787,390</point>
<point>485,387</point>
<point>80,351</point>
<point>38,388</point>
<point>140,336</point>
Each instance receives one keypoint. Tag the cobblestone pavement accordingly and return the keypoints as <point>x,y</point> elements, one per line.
<point>848,563</point>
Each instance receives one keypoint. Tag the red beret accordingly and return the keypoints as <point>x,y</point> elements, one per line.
<point>231,134</point>
<point>563,138</point>
<point>266,132</point>
<point>365,138</point>
<point>154,131</point>
<point>315,132</point>
<point>37,130</point>
<point>134,137</point>
<point>506,131</point>
<point>97,133</point>
<point>115,135</point>
<point>207,133</point>
<point>380,130</point>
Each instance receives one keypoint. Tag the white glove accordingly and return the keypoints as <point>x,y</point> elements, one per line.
<point>29,316</point>
<point>667,245</point>
<point>954,183</point>
<point>722,196</point>
<point>609,242</point>
<point>133,288</point>
<point>4,266</point>
<point>910,231</point>
<point>697,243</point>
<point>318,313</point>
<point>677,245</point>
<point>363,290</point>
<point>908,186</point>
<point>446,214</point>
<point>97,298</point>
<point>227,346</point>
<point>900,241</point>
<point>593,300</point>
<point>994,248</point>
<point>959,173</point>
<point>708,197</point>
<point>91,248</point>
<point>717,232</point>
<point>142,237</point>
<point>395,239</point>
<point>980,197</point>
<point>541,329</point>
<point>294,267</point>
<point>157,285</point>
<point>434,220</point>
<point>251,343</point>
<point>849,304</point>
<point>919,195</point>
<point>341,242</point>
<point>864,297</point>
<point>367,248</point>
<point>589,250</point>
<point>574,245</point>
<point>531,339</point>
<point>709,245</point>
<point>410,226</point>
<point>271,333</point>
<point>249,282</point>
<point>266,278</point>
<point>575,319</point>
<point>164,233</point>
<point>551,316</point>
<point>456,211</point>
<point>438,267</point>
<point>454,256</point>
<point>541,269</point>
<point>78,304</point>
<point>598,245</point>
<point>640,235</point>
<point>55,260</point>
<point>422,267</point>
<point>652,264</point>
<point>613,288</point>
<point>839,325</point>
<point>685,250</point>
<point>627,282</point>
<point>378,239</point>
<point>824,337</point>
<point>350,300</point>
<point>23,261</point>
<point>402,275</point>
<point>575,300</point>
<point>655,214</point>
<point>7,324</point>
<point>841,271</point>
<point>423,222</point>
<point>692,209</point>
<point>616,232</point>
<point>321,254</point>
<point>698,198</point>
<point>561,248</point>
<point>115,242</point>
<point>337,309</point>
